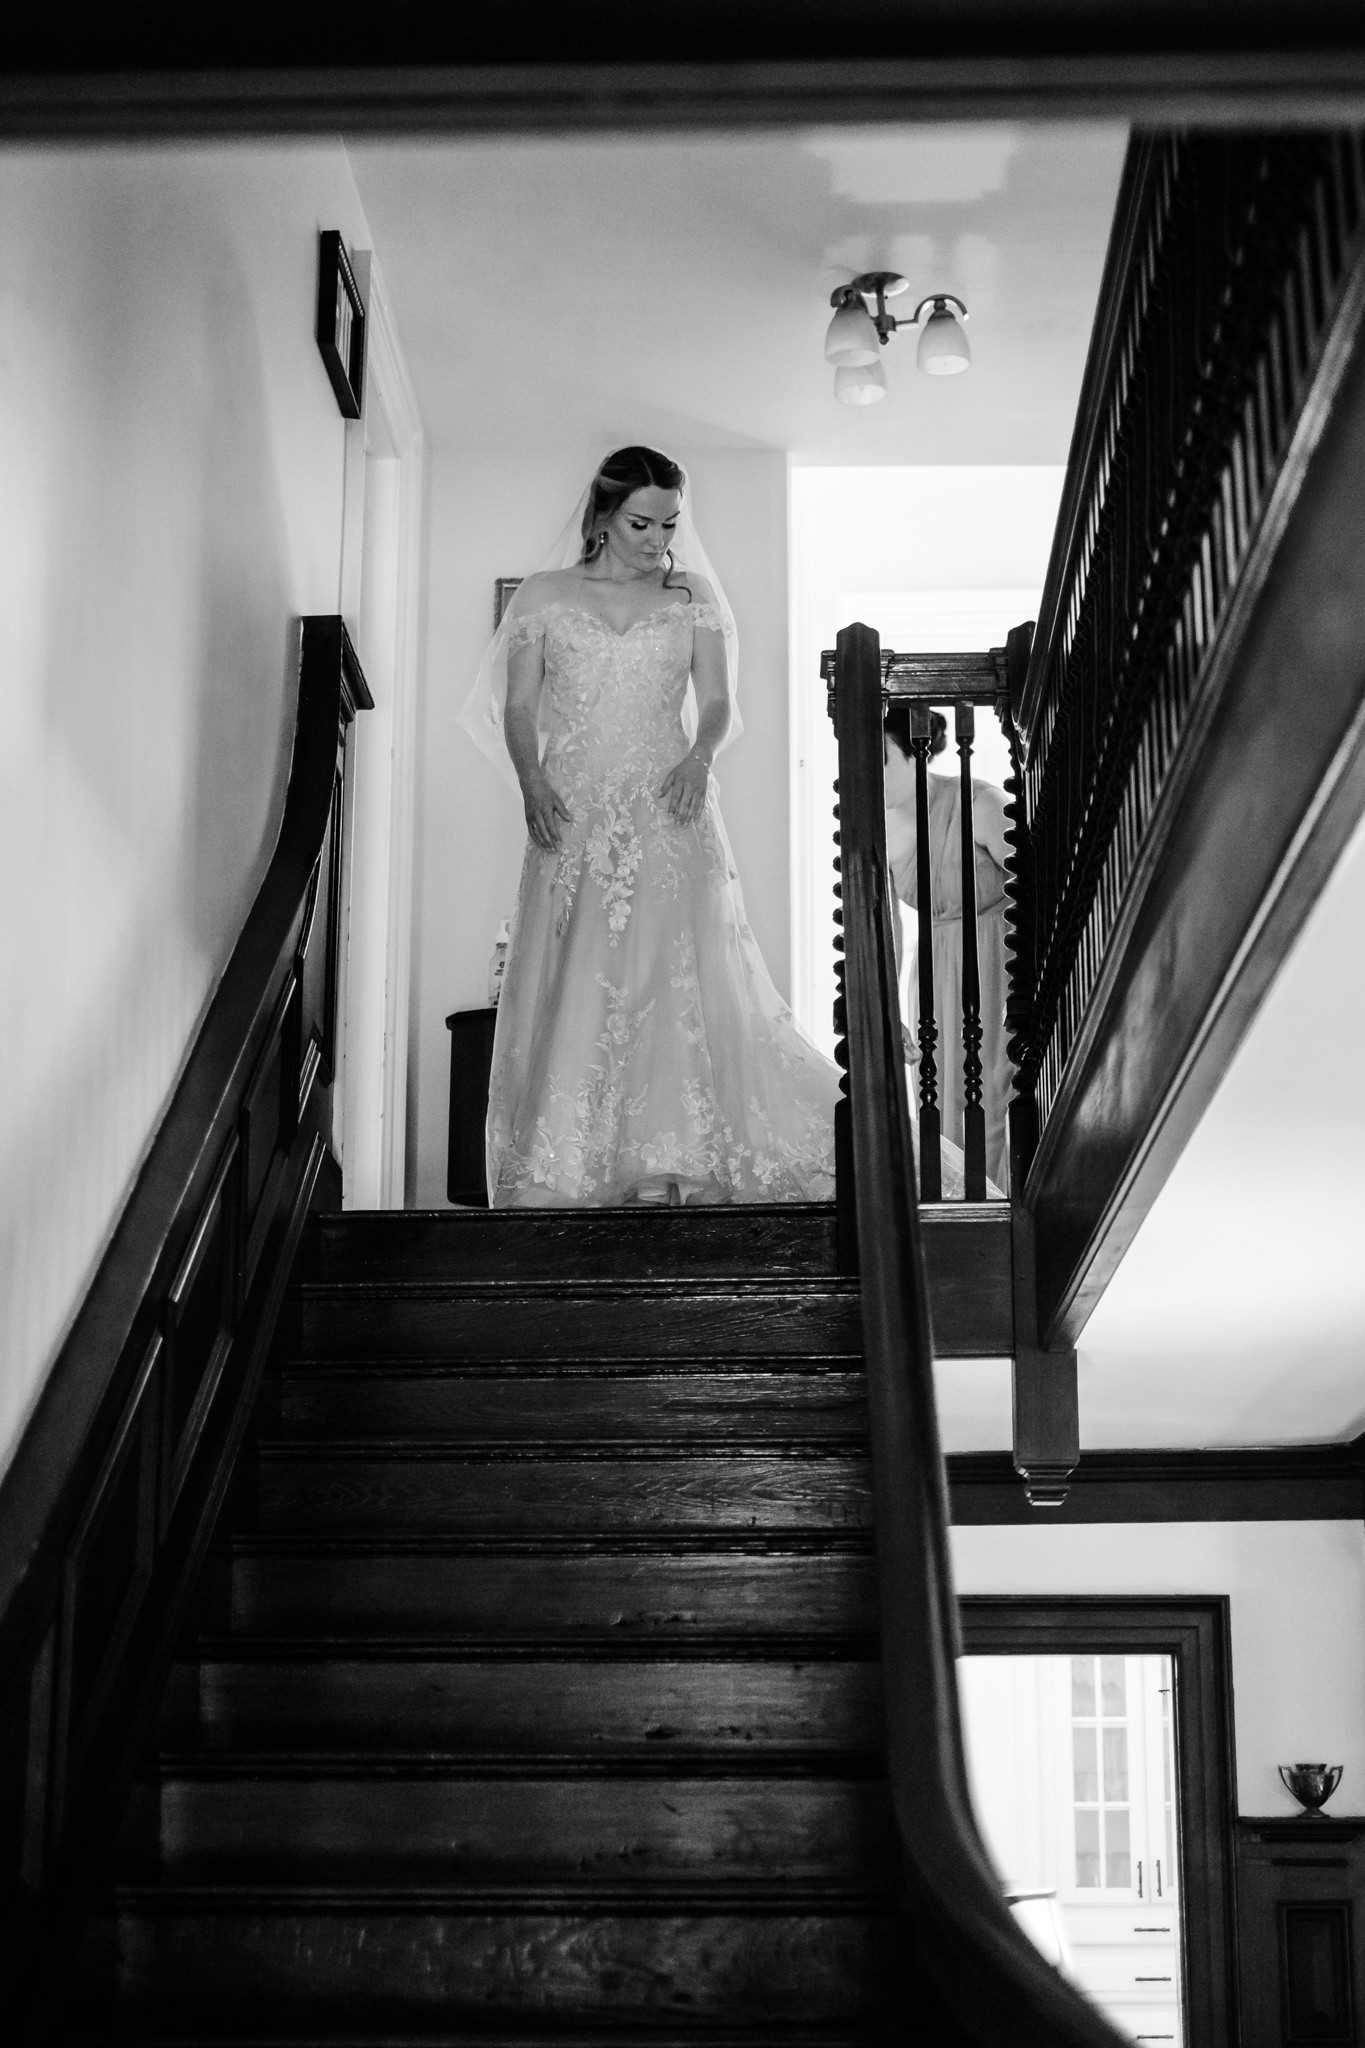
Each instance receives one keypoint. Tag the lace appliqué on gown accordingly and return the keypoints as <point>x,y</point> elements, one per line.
<point>640,1040</point>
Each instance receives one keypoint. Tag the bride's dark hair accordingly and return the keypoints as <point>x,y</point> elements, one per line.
<point>623,473</point>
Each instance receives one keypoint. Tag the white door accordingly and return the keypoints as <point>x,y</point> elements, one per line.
<point>381,577</point>
<point>1073,1774</point>
<point>1118,1888</point>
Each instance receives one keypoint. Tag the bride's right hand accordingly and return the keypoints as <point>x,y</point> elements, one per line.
<point>544,809</point>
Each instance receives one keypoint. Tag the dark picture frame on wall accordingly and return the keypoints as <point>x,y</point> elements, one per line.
<point>341,324</point>
<point>503,589</point>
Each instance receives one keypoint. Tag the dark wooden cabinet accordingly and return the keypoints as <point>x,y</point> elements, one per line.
<point>1301,1908</point>
<point>471,1056</point>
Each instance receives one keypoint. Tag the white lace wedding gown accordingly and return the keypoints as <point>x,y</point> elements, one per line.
<point>641,1047</point>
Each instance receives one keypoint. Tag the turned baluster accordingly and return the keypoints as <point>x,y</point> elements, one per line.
<point>930,1153</point>
<point>973,1113</point>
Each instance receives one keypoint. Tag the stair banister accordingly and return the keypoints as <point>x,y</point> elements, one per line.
<point>116,1483</point>
<point>1192,719</point>
<point>994,1985</point>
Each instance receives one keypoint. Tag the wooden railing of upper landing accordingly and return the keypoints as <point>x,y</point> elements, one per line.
<point>1192,723</point>
<point>1187,719</point>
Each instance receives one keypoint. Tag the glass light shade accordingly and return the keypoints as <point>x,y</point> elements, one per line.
<point>943,349</point>
<point>860,384</point>
<point>852,336</point>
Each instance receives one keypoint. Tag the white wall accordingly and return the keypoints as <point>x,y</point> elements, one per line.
<point>498,516</point>
<point>1297,1592</point>
<point>170,501</point>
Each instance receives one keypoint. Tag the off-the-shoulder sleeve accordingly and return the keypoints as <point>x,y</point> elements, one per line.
<point>707,615</point>
<point>525,628</point>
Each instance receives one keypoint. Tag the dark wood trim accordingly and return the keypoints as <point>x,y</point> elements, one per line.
<point>108,1504</point>
<point>1301,1877</point>
<point>209,1276</point>
<point>1045,1410</point>
<point>1287,1830</point>
<point>1196,1634</point>
<point>1305,1483</point>
<point>1239,820</point>
<point>748,63</point>
<point>967,1257</point>
<point>992,1982</point>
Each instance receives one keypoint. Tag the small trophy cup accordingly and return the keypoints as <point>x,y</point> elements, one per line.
<point>1311,1784</point>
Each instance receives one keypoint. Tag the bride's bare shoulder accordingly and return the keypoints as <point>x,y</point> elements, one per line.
<point>700,589</point>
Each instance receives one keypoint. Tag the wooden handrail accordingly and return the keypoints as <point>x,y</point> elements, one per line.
<point>109,1503</point>
<point>994,1986</point>
<point>1228,258</point>
<point>1183,793</point>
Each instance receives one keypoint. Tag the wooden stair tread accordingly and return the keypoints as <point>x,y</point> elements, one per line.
<point>757,1237</point>
<point>636,1898</point>
<point>535,1691</point>
<point>738,1646</point>
<point>692,1544</point>
<point>606,1320</point>
<point>788,2035</point>
<point>738,1763</point>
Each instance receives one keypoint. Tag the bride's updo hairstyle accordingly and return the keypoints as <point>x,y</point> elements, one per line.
<point>622,474</point>
<point>897,726</point>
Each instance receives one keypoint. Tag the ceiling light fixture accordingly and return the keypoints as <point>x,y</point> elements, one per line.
<point>856,333</point>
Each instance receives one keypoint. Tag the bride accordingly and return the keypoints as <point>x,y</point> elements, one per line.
<point>642,1052</point>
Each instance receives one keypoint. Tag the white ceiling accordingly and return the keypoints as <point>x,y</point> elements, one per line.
<point>676,289</point>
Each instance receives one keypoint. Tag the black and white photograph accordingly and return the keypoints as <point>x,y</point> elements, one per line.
<point>682,1222</point>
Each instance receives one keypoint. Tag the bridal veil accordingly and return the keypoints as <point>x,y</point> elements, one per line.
<point>482,713</point>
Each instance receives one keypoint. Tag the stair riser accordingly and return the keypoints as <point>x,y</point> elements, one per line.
<point>307,1970</point>
<point>548,1707</point>
<point>553,1597</point>
<point>683,1324</point>
<point>533,1831</point>
<point>557,1407</point>
<point>576,1246</point>
<point>337,1496</point>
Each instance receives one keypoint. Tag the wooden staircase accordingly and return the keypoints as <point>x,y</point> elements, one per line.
<point>534,1689</point>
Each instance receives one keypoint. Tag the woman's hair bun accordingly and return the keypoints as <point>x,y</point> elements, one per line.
<point>897,726</point>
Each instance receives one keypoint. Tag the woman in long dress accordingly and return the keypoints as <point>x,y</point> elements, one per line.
<point>945,885</point>
<point>642,1053</point>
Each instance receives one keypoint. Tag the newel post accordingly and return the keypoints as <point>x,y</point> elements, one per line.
<point>845,1193</point>
<point>855,693</point>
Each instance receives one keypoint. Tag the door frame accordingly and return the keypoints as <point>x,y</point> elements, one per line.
<point>1195,1632</point>
<point>372,1121</point>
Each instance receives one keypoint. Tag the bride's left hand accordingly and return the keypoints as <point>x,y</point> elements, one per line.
<point>684,788</point>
